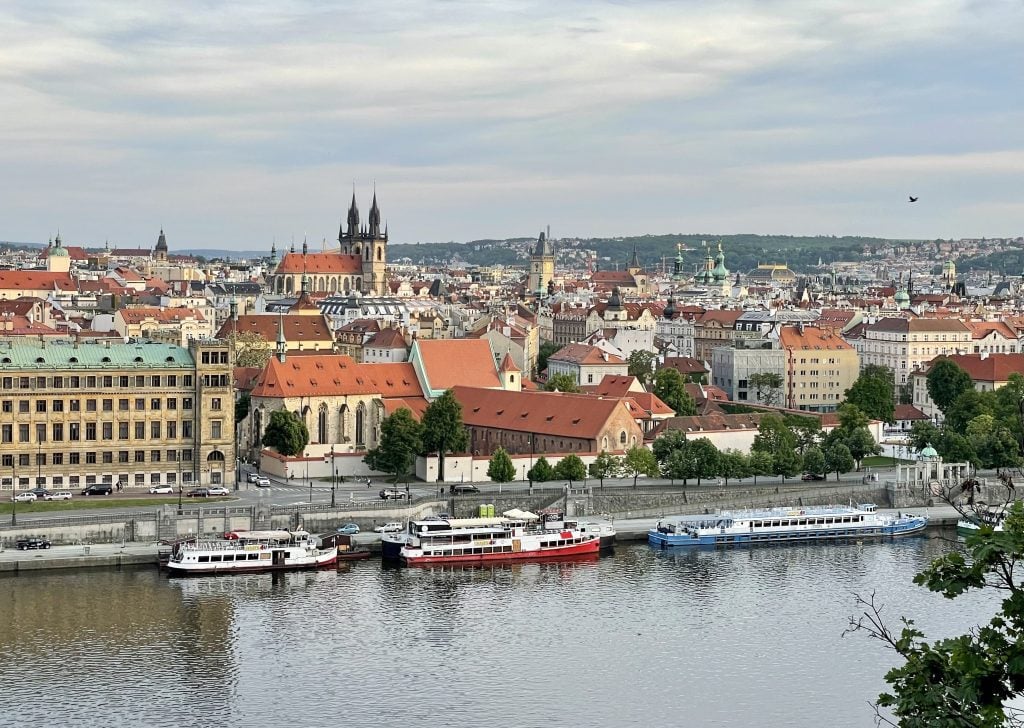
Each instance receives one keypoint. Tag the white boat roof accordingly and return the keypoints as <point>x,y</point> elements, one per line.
<point>518,515</point>
<point>268,535</point>
<point>475,522</point>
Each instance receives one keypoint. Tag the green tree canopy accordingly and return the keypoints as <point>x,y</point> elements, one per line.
<point>838,459</point>
<point>946,382</point>
<point>251,349</point>
<point>761,463</point>
<point>706,458</point>
<point>787,463</point>
<point>733,464</point>
<point>443,431</point>
<point>638,461</point>
<point>401,439</point>
<point>286,433</point>
<point>767,387</point>
<point>773,435</point>
<point>814,461</point>
<point>541,472</point>
<point>966,407</point>
<point>571,468</point>
<point>605,465</point>
<point>641,365</point>
<point>806,430</point>
<point>973,680</point>
<point>670,388</point>
<point>500,469</point>
<point>667,443</point>
<point>561,383</point>
<point>546,350</point>
<point>874,393</point>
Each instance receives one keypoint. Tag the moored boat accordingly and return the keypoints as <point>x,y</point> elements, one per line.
<point>252,551</point>
<point>515,535</point>
<point>972,523</point>
<point>784,525</point>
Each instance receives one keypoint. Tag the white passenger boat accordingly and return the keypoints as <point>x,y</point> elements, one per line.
<point>972,523</point>
<point>784,525</point>
<point>251,551</point>
<point>514,535</point>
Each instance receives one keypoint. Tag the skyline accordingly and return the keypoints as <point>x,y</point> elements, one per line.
<point>233,128</point>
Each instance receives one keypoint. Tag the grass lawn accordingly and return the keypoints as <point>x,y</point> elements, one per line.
<point>882,461</point>
<point>93,502</point>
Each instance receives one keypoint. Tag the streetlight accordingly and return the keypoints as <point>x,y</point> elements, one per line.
<point>334,475</point>
<point>179,498</point>
<point>14,489</point>
<point>305,456</point>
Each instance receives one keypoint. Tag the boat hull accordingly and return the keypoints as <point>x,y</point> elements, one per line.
<point>669,540</point>
<point>256,567</point>
<point>590,547</point>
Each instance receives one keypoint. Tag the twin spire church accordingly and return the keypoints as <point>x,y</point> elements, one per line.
<point>358,265</point>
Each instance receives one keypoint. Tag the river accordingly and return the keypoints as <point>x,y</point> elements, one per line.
<point>642,638</point>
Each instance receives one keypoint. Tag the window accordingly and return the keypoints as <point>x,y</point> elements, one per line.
<point>23,433</point>
<point>215,403</point>
<point>8,383</point>
<point>7,461</point>
<point>122,456</point>
<point>154,404</point>
<point>140,403</point>
<point>90,430</point>
<point>186,403</point>
<point>108,405</point>
<point>108,382</point>
<point>154,478</point>
<point>58,458</point>
<point>622,437</point>
<point>154,456</point>
<point>215,429</point>
<point>40,382</point>
<point>8,406</point>
<point>108,457</point>
<point>172,456</point>
<point>172,380</point>
<point>186,429</point>
<point>41,432</point>
<point>40,405</point>
<point>122,405</point>
<point>186,455</point>
<point>140,430</point>
<point>90,405</point>
<point>23,406</point>
<point>58,382</point>
<point>140,479</point>
<point>74,405</point>
<point>154,430</point>
<point>76,382</point>
<point>74,458</point>
<point>140,456</point>
<point>23,459</point>
<point>58,405</point>
<point>90,382</point>
<point>122,430</point>
<point>7,433</point>
<point>140,381</point>
<point>155,380</point>
<point>90,457</point>
<point>186,380</point>
<point>122,381</point>
<point>172,430</point>
<point>172,403</point>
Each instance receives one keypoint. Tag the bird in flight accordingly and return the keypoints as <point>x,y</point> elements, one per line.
<point>912,198</point>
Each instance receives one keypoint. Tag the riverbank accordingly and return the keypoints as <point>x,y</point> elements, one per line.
<point>83,556</point>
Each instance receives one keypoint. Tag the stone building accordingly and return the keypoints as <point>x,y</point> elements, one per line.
<point>138,415</point>
<point>542,267</point>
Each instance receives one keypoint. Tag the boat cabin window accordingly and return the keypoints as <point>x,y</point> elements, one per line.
<point>204,559</point>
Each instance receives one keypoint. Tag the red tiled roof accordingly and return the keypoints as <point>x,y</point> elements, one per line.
<point>326,375</point>
<point>163,315</point>
<point>296,328</point>
<point>388,339</point>
<point>685,365</point>
<point>901,325</point>
<point>74,252</point>
<point>295,263</point>
<point>583,354</point>
<point>449,362</point>
<point>981,329</point>
<point>547,413</point>
<point>245,377</point>
<point>984,367</point>
<point>36,280</point>
<point>908,412</point>
<point>810,337</point>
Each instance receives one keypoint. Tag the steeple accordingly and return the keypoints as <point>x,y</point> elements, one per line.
<point>305,246</point>
<point>353,217</point>
<point>543,248</point>
<point>282,345</point>
<point>374,217</point>
<point>273,253</point>
<point>634,261</point>
<point>615,301</point>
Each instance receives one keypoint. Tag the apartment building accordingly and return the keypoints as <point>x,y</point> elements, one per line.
<point>820,367</point>
<point>906,345</point>
<point>141,414</point>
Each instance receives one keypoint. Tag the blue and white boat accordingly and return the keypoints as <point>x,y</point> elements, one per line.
<point>784,525</point>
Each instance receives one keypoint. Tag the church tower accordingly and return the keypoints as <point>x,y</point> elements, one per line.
<point>160,251</point>
<point>542,266</point>
<point>369,244</point>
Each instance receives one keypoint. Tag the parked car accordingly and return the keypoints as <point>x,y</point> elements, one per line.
<point>393,493</point>
<point>198,493</point>
<point>253,477</point>
<point>98,489</point>
<point>24,544</point>
<point>393,527</point>
<point>812,476</point>
<point>27,497</point>
<point>39,491</point>
<point>262,482</point>
<point>463,488</point>
<point>58,495</point>
<point>218,490</point>
<point>349,529</point>
<point>161,489</point>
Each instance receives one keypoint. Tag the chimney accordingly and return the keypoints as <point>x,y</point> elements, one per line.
<point>984,355</point>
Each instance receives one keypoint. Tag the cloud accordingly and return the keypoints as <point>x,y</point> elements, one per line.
<point>501,112</point>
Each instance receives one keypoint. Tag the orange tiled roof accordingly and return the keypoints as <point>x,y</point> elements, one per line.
<point>984,368</point>
<point>584,354</point>
<point>449,362</point>
<point>326,375</point>
<point>36,280</point>
<point>163,315</point>
<point>810,337</point>
<point>296,328</point>
<point>297,263</point>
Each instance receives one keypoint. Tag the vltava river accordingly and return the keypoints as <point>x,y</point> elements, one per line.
<point>643,638</point>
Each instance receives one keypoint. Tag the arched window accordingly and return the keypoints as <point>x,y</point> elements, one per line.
<point>321,425</point>
<point>215,456</point>
<point>604,443</point>
<point>345,285</point>
<point>288,286</point>
<point>334,284</point>
<point>380,253</point>
<point>622,437</point>
<point>319,283</point>
<point>343,422</point>
<point>368,252</point>
<point>360,425</point>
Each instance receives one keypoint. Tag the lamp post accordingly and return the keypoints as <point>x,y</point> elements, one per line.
<point>305,456</point>
<point>14,489</point>
<point>334,476</point>
<point>179,498</point>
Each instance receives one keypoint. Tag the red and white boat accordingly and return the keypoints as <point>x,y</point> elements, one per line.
<point>512,536</point>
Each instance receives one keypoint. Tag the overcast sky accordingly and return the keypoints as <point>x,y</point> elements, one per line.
<point>231,124</point>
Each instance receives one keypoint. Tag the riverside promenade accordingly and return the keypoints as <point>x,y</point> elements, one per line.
<point>80,556</point>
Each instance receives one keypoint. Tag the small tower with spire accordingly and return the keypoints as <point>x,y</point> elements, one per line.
<point>511,375</point>
<point>160,251</point>
<point>282,345</point>
<point>542,266</point>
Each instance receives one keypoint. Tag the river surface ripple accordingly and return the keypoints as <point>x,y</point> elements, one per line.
<point>737,637</point>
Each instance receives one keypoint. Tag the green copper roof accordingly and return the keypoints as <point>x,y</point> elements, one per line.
<point>65,355</point>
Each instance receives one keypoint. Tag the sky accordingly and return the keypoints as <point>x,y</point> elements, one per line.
<point>232,125</point>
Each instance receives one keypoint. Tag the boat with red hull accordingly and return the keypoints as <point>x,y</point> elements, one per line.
<point>513,536</point>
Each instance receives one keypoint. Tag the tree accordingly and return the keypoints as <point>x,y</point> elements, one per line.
<point>679,465</point>
<point>967,406</point>
<point>733,464</point>
<point>971,680</point>
<point>787,463</point>
<point>806,430</point>
<point>922,434</point>
<point>838,459</point>
<point>861,443</point>
<point>443,431</point>
<point>874,393</point>
<point>541,472</point>
<point>286,433</point>
<point>706,458</point>
<point>994,444</point>
<point>401,439</point>
<point>571,468</point>
<point>670,388</point>
<point>562,383</point>
<point>946,382</point>
<point>605,465</point>
<point>761,463</point>
<point>773,435</point>
<point>242,407</point>
<point>767,386</point>
<point>251,349</point>
<point>641,366</point>
<point>640,461</point>
<point>500,469</point>
<point>667,443</point>
<point>814,461</point>
<point>546,350</point>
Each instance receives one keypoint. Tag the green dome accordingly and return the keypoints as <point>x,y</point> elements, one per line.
<point>58,252</point>
<point>929,452</point>
<point>720,272</point>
